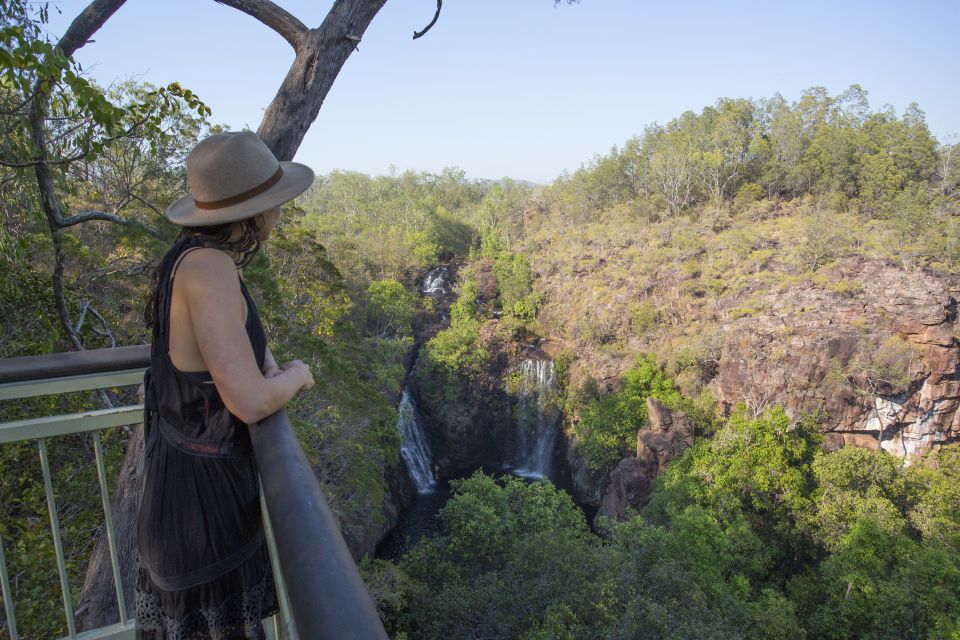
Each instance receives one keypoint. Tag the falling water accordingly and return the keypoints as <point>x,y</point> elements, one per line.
<point>436,281</point>
<point>415,449</point>
<point>535,416</point>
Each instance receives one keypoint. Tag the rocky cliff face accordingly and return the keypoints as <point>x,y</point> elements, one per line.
<point>666,435</point>
<point>471,430</point>
<point>868,347</point>
<point>876,357</point>
<point>474,428</point>
<point>399,495</point>
<point>481,427</point>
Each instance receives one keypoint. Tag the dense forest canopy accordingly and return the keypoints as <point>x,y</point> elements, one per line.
<point>751,534</point>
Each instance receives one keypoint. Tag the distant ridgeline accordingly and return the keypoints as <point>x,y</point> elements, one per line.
<point>739,151</point>
<point>728,300</point>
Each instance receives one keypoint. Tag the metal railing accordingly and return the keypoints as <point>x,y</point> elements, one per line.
<point>320,590</point>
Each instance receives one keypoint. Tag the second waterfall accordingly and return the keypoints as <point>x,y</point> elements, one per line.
<point>536,415</point>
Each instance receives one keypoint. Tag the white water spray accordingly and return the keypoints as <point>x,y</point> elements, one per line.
<point>436,281</point>
<point>415,448</point>
<point>536,417</point>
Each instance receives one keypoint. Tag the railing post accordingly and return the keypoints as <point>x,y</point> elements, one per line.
<point>7,596</point>
<point>57,543</point>
<point>327,595</point>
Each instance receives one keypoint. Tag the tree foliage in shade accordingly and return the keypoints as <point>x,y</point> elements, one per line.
<point>753,533</point>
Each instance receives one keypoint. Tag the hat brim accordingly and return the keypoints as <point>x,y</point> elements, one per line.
<point>295,180</point>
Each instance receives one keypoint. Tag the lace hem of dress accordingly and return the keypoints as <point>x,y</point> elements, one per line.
<point>237,617</point>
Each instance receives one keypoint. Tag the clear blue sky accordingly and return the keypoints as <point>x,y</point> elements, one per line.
<point>522,89</point>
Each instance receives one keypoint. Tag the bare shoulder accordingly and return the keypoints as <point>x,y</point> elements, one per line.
<point>207,268</point>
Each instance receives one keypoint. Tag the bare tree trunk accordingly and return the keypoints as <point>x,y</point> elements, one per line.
<point>98,602</point>
<point>321,54</point>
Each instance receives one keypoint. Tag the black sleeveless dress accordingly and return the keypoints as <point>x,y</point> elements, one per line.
<point>204,566</point>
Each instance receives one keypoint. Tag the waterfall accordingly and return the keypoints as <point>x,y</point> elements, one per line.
<point>436,281</point>
<point>535,416</point>
<point>415,449</point>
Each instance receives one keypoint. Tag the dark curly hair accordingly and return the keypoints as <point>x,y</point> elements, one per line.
<point>219,236</point>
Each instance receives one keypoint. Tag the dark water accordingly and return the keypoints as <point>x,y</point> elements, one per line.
<point>422,518</point>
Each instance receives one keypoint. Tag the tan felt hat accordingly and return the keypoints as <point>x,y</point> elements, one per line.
<point>233,176</point>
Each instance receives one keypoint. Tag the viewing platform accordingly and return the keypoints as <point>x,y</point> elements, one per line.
<point>320,590</point>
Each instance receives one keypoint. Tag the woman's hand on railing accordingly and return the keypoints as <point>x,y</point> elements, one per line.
<point>301,371</point>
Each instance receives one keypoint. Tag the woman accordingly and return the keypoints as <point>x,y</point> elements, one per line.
<point>204,568</point>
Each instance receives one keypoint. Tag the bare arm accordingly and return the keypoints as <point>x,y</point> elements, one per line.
<point>212,292</point>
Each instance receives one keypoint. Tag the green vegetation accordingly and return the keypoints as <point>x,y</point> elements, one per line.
<point>390,308</point>
<point>738,151</point>
<point>754,533</point>
<point>515,286</point>
<point>455,354</point>
<point>24,520</point>
<point>643,316</point>
<point>397,227</point>
<point>607,426</point>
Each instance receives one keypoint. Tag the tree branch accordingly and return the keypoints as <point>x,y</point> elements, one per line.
<point>34,163</point>
<point>105,333</point>
<point>58,294</point>
<point>417,34</point>
<point>87,216</point>
<point>145,203</point>
<point>277,18</point>
<point>16,110</point>
<point>319,60</point>
<point>87,23</point>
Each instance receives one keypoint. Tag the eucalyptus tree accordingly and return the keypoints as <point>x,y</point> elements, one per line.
<point>672,162</point>
<point>724,146</point>
<point>54,119</point>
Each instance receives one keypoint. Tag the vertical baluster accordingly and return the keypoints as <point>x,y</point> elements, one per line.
<point>285,620</point>
<point>108,522</point>
<point>7,596</point>
<point>58,545</point>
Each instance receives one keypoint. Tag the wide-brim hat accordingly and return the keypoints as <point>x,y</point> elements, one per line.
<point>233,176</point>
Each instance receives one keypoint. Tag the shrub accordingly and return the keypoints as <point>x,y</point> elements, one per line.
<point>390,308</point>
<point>608,425</point>
<point>527,307</point>
<point>513,279</point>
<point>746,195</point>
<point>643,315</point>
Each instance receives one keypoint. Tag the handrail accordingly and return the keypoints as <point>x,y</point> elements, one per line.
<point>71,363</point>
<point>327,595</point>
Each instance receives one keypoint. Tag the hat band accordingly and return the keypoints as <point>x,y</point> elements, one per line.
<point>241,197</point>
